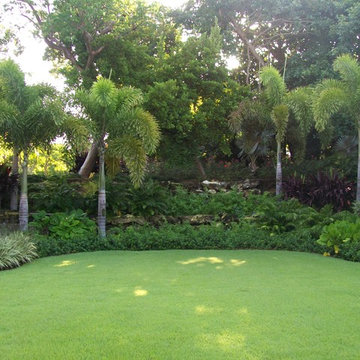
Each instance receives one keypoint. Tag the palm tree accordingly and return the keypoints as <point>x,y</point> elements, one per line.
<point>34,121</point>
<point>331,96</point>
<point>119,125</point>
<point>275,90</point>
<point>297,101</point>
<point>253,128</point>
<point>12,87</point>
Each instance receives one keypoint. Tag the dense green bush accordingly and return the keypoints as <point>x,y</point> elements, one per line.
<point>74,224</point>
<point>184,236</point>
<point>59,194</point>
<point>259,222</point>
<point>15,250</point>
<point>278,216</point>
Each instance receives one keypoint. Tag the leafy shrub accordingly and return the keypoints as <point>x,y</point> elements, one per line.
<point>183,236</point>
<point>278,216</point>
<point>186,203</point>
<point>356,207</point>
<point>321,189</point>
<point>58,194</point>
<point>67,226</point>
<point>335,235</point>
<point>50,246</point>
<point>148,200</point>
<point>15,250</point>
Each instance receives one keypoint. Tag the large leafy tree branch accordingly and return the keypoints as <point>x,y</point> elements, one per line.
<point>308,34</point>
<point>75,29</point>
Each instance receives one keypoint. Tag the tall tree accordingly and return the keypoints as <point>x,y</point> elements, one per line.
<point>310,33</point>
<point>282,103</point>
<point>331,96</point>
<point>86,39</point>
<point>192,98</point>
<point>31,122</point>
<point>12,91</point>
<point>275,91</point>
<point>129,132</point>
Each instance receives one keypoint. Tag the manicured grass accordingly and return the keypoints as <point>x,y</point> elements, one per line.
<point>181,305</point>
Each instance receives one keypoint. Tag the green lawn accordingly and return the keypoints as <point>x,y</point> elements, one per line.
<point>181,305</point>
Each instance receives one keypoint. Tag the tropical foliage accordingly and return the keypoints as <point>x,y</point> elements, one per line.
<point>30,116</point>
<point>15,250</point>
<point>331,96</point>
<point>131,133</point>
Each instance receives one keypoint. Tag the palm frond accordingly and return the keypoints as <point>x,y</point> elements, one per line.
<point>129,97</point>
<point>103,92</point>
<point>327,103</point>
<point>133,152</point>
<point>300,103</point>
<point>146,128</point>
<point>349,70</point>
<point>12,83</point>
<point>346,144</point>
<point>77,132</point>
<point>274,85</point>
<point>280,117</point>
<point>328,84</point>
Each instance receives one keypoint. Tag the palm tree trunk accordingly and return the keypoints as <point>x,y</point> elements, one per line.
<point>89,162</point>
<point>200,167</point>
<point>102,194</point>
<point>24,207</point>
<point>278,169</point>
<point>14,191</point>
<point>358,169</point>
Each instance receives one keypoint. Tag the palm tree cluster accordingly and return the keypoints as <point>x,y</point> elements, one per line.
<point>32,116</point>
<point>119,127</point>
<point>308,106</point>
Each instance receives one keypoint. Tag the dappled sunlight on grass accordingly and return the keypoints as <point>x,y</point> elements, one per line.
<point>202,259</point>
<point>226,341</point>
<point>203,310</point>
<point>65,263</point>
<point>236,262</point>
<point>140,292</point>
<point>242,311</point>
<point>239,305</point>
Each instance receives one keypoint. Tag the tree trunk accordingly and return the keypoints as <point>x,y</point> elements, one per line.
<point>89,162</point>
<point>24,207</point>
<point>102,194</point>
<point>200,167</point>
<point>14,191</point>
<point>358,169</point>
<point>278,169</point>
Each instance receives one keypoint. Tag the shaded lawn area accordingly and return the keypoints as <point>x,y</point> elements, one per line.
<point>181,305</point>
